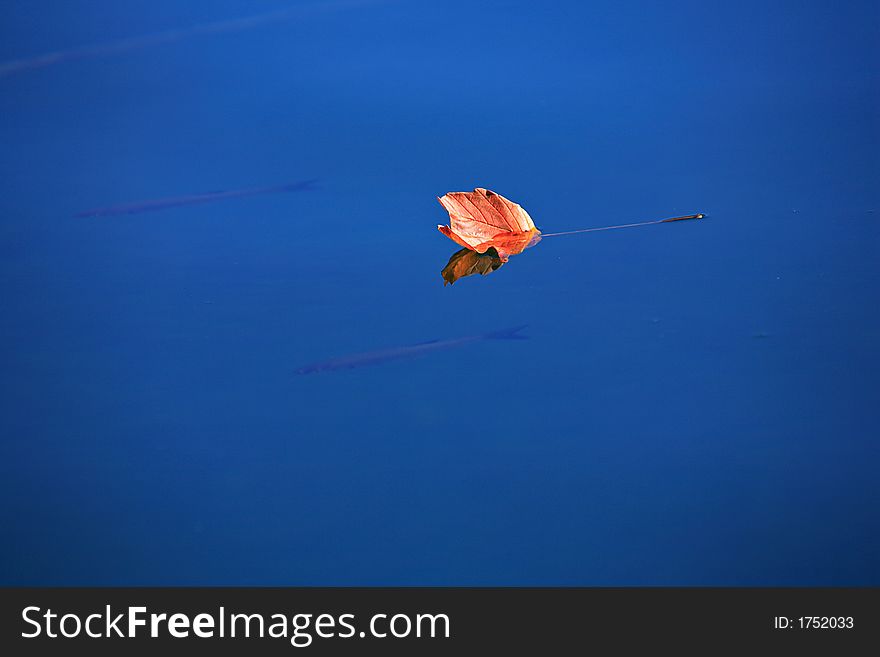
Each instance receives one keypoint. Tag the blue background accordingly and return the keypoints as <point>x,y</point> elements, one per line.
<point>697,403</point>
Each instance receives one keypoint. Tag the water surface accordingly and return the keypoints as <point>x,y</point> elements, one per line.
<point>696,404</point>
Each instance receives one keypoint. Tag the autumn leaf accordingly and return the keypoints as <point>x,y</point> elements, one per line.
<point>481,220</point>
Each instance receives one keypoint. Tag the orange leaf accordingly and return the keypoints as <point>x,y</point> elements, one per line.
<point>481,219</point>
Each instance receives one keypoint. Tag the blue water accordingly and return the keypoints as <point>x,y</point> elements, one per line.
<point>697,403</point>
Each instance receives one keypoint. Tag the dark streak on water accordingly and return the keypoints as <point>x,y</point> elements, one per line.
<point>405,352</point>
<point>155,205</point>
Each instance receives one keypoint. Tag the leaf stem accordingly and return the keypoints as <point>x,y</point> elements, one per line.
<point>641,223</point>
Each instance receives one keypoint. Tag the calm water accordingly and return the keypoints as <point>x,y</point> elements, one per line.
<point>697,402</point>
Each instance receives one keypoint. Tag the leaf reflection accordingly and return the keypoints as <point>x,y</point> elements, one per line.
<point>468,262</point>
